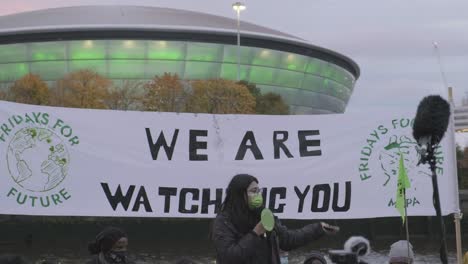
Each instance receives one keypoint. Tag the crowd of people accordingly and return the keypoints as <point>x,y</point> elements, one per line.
<point>240,237</point>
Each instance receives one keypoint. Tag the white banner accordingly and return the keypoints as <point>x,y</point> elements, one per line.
<point>76,162</point>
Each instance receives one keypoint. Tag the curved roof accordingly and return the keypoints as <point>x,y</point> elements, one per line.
<point>128,21</point>
<point>87,16</point>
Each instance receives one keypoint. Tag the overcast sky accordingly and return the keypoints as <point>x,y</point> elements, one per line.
<point>392,41</point>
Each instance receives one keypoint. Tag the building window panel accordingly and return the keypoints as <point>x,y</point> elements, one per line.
<point>293,62</point>
<point>166,50</point>
<point>127,69</point>
<point>13,71</point>
<point>327,71</point>
<point>348,80</point>
<point>49,70</point>
<point>313,83</point>
<point>204,52</point>
<point>47,51</point>
<point>201,70</point>
<point>13,53</point>
<point>315,66</point>
<point>261,75</point>
<point>337,90</point>
<point>88,50</point>
<point>266,57</point>
<point>127,49</point>
<point>229,71</point>
<point>326,102</point>
<point>230,54</point>
<point>289,78</point>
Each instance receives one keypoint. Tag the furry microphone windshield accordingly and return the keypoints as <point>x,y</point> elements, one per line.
<point>431,120</point>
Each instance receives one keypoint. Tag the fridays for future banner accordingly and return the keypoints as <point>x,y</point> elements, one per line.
<point>80,162</point>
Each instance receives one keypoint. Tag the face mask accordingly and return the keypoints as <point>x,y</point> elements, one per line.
<point>116,256</point>
<point>255,201</point>
<point>284,259</point>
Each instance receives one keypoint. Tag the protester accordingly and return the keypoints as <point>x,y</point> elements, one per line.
<point>399,253</point>
<point>240,237</point>
<point>109,247</point>
<point>185,261</point>
<point>48,261</point>
<point>315,257</point>
<point>12,259</point>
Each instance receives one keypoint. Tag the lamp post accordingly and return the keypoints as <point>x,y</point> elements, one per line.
<point>238,7</point>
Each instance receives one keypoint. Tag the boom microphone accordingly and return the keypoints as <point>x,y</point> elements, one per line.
<point>431,120</point>
<point>429,127</point>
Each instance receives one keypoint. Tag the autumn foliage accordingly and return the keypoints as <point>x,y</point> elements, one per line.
<point>166,93</point>
<point>220,97</point>
<point>29,90</point>
<point>82,89</point>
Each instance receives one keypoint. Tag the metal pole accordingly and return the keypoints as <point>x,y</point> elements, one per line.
<point>436,201</point>
<point>406,223</point>
<point>458,215</point>
<point>238,44</point>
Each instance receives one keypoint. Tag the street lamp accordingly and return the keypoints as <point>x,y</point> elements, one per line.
<point>238,7</point>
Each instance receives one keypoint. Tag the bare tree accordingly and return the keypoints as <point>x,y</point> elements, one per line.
<point>126,96</point>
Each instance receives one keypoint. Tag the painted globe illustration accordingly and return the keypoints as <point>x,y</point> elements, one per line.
<point>389,157</point>
<point>37,159</point>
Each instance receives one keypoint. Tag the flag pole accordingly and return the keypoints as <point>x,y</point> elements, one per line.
<point>406,223</point>
<point>402,206</point>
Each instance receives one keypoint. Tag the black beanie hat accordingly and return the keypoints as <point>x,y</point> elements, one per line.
<point>314,255</point>
<point>105,240</point>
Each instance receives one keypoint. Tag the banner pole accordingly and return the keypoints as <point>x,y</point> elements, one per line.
<point>406,223</point>
<point>457,215</point>
<point>457,218</point>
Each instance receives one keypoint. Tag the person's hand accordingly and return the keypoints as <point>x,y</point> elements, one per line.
<point>259,229</point>
<point>330,229</point>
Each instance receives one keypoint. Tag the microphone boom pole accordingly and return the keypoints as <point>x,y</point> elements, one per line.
<point>436,202</point>
<point>430,124</point>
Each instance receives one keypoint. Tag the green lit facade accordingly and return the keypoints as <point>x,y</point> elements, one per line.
<point>305,83</point>
<point>54,42</point>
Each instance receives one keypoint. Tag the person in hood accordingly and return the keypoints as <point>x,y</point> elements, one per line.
<point>315,257</point>
<point>13,259</point>
<point>109,247</point>
<point>399,253</point>
<point>239,236</point>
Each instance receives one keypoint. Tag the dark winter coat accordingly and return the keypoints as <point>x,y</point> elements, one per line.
<point>95,260</point>
<point>233,247</point>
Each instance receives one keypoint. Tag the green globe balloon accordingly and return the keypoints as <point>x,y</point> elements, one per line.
<point>267,219</point>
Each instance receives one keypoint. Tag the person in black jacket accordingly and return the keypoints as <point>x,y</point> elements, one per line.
<point>315,257</point>
<point>239,236</point>
<point>109,247</point>
<point>13,259</point>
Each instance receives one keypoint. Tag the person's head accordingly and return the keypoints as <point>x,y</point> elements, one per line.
<point>315,257</point>
<point>12,259</point>
<point>399,253</point>
<point>243,193</point>
<point>358,245</point>
<point>243,201</point>
<point>112,243</point>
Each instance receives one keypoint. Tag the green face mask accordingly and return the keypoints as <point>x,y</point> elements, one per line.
<point>255,201</point>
